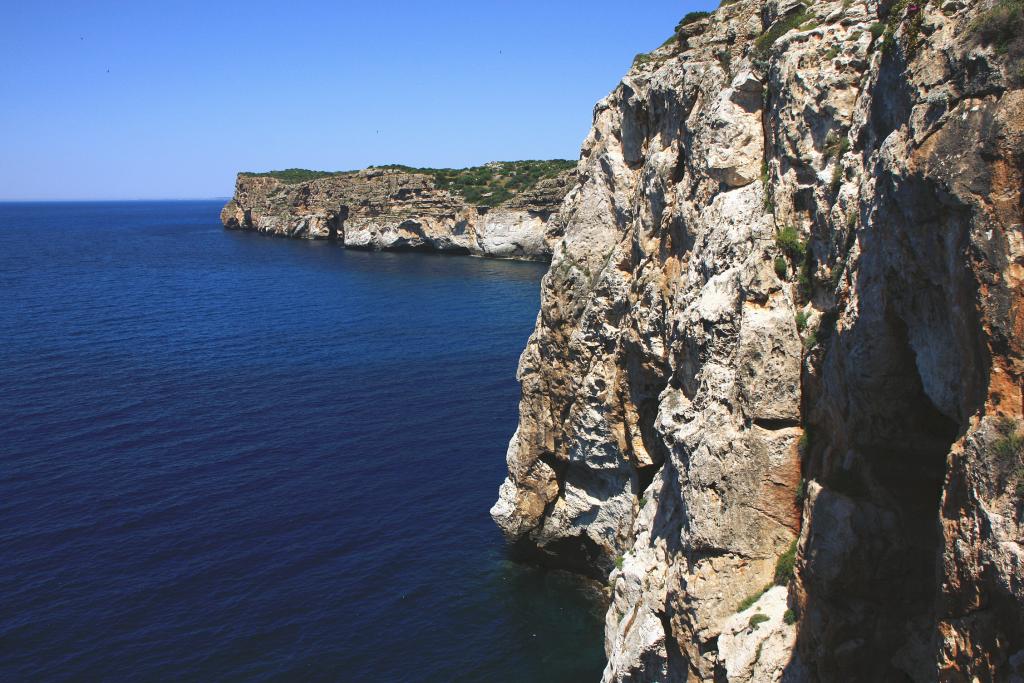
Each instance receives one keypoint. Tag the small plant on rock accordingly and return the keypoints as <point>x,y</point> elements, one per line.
<point>1002,27</point>
<point>1010,445</point>
<point>756,619</point>
<point>795,19</point>
<point>785,565</point>
<point>803,446</point>
<point>691,18</point>
<point>811,340</point>
<point>789,242</point>
<point>836,145</point>
<point>837,176</point>
<point>801,491</point>
<point>805,278</point>
<point>749,601</point>
<point>789,617</point>
<point>780,267</point>
<point>1008,451</point>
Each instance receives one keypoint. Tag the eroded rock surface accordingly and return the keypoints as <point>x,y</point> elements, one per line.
<point>391,209</point>
<point>703,393</point>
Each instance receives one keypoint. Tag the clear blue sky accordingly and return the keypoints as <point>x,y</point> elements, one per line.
<point>150,99</point>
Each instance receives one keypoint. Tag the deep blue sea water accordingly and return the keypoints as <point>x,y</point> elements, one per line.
<point>228,456</point>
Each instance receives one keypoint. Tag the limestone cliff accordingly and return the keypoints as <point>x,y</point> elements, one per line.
<point>386,208</point>
<point>774,392</point>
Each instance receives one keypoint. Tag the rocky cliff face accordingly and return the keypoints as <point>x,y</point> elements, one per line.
<point>392,209</point>
<point>774,393</point>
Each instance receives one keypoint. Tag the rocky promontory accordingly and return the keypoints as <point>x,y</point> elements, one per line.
<point>501,210</point>
<point>775,392</point>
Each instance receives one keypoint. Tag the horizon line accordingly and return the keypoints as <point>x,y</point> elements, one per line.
<point>112,199</point>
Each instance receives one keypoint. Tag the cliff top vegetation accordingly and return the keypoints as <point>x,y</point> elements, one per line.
<point>487,185</point>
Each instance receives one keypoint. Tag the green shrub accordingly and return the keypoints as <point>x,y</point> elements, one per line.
<point>756,619</point>
<point>292,176</point>
<point>1006,426</point>
<point>748,601</point>
<point>789,242</point>
<point>780,267</point>
<point>804,444</point>
<point>1009,447</point>
<point>789,617</point>
<point>488,185</point>
<point>782,26</point>
<point>801,320</point>
<point>900,15</point>
<point>811,340</point>
<point>1002,26</point>
<point>837,176</point>
<point>618,562</point>
<point>832,53</point>
<point>801,491</point>
<point>835,145</point>
<point>785,565</point>
<point>805,278</point>
<point>691,18</point>
<point>877,29</point>
<point>494,183</point>
<point>812,22</point>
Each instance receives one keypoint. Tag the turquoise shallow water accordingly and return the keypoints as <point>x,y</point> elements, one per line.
<point>233,457</point>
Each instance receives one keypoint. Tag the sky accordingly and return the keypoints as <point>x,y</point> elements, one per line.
<point>150,99</point>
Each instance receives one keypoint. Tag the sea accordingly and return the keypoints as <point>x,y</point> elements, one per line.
<point>226,456</point>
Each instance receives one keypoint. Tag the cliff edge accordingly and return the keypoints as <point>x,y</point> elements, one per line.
<point>501,210</point>
<point>774,393</point>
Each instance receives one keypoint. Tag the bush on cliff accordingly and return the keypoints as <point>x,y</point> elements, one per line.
<point>763,43</point>
<point>749,601</point>
<point>785,565</point>
<point>756,619</point>
<point>1007,451</point>
<point>493,183</point>
<point>691,18</point>
<point>789,243</point>
<point>780,267</point>
<point>293,176</point>
<point>1002,26</point>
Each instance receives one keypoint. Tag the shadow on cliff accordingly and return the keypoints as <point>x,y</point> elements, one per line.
<point>893,394</point>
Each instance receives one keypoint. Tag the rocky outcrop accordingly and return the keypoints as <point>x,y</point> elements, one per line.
<point>774,392</point>
<point>393,209</point>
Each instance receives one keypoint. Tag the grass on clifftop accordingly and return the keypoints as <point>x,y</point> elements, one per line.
<point>487,185</point>
<point>493,183</point>
<point>292,176</point>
